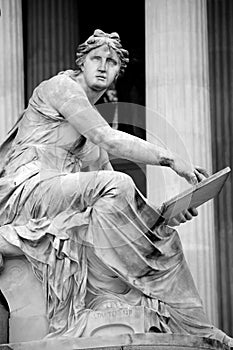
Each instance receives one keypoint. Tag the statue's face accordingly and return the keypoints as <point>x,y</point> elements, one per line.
<point>100,68</point>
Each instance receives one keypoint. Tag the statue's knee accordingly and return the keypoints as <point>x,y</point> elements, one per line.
<point>125,185</point>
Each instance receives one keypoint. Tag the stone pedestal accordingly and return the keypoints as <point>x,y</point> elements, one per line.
<point>28,320</point>
<point>24,295</point>
<point>116,329</point>
<point>122,342</point>
<point>129,320</point>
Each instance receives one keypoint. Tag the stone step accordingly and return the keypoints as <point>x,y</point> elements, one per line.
<point>144,341</point>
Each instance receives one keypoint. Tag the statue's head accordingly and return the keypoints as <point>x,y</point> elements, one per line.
<point>99,38</point>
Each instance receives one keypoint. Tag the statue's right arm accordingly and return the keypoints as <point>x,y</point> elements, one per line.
<point>72,102</point>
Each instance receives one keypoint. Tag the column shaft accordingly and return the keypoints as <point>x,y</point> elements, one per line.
<point>11,88</point>
<point>51,38</point>
<point>178,114</point>
<point>11,64</point>
<point>220,28</point>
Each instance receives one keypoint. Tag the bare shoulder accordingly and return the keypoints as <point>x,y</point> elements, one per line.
<point>62,88</point>
<point>66,79</point>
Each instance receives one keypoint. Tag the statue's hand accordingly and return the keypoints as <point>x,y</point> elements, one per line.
<point>201,173</point>
<point>181,218</point>
<point>192,174</point>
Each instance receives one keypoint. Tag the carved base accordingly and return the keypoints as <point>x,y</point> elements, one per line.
<point>128,320</point>
<point>24,295</point>
<point>122,342</point>
<point>120,329</point>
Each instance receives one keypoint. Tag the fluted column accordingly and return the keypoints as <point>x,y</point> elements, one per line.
<point>11,64</point>
<point>51,38</point>
<point>220,28</point>
<point>178,114</point>
<point>11,88</point>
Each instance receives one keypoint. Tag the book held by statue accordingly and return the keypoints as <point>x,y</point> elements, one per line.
<point>196,195</point>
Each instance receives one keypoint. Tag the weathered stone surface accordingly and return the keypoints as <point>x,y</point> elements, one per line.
<point>128,320</point>
<point>122,342</point>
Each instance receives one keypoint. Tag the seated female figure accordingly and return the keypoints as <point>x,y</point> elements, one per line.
<point>91,237</point>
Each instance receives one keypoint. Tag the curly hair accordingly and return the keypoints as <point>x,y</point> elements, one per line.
<point>98,39</point>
